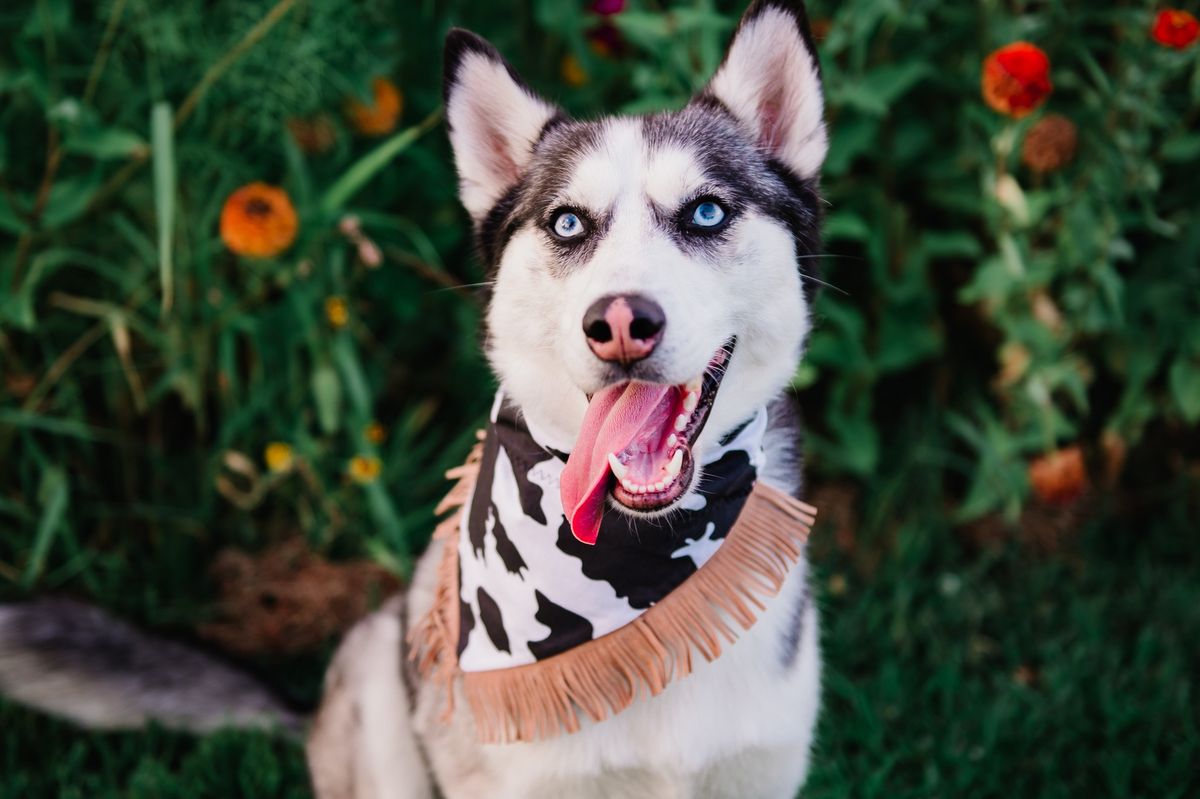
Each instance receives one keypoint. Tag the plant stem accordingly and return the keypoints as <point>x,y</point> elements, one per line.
<point>214,73</point>
<point>106,43</point>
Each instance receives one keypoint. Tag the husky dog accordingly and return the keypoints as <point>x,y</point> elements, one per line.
<point>625,249</point>
<point>662,250</point>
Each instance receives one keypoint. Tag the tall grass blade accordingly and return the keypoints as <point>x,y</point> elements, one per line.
<point>162,145</point>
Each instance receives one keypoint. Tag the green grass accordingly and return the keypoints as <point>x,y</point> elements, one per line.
<point>922,697</point>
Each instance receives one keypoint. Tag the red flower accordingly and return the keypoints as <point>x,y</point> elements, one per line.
<point>1175,28</point>
<point>1016,79</point>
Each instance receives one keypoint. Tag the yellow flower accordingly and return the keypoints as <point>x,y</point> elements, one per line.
<point>365,469</point>
<point>375,433</point>
<point>279,457</point>
<point>337,312</point>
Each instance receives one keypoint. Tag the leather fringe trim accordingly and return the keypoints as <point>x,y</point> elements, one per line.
<point>605,676</point>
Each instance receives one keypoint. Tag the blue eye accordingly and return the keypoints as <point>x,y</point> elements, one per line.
<point>708,214</point>
<point>567,225</point>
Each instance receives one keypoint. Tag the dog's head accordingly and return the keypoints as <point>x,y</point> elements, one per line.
<point>648,289</point>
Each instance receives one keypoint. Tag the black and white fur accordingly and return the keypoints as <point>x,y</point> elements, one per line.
<point>740,726</point>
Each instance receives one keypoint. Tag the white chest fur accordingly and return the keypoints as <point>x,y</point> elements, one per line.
<point>739,726</point>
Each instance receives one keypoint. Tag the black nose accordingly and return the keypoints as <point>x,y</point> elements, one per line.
<point>624,328</point>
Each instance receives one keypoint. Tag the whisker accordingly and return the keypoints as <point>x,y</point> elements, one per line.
<point>462,286</point>
<point>832,255</point>
<point>824,283</point>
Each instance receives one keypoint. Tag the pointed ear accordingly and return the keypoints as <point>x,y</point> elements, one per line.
<point>494,120</point>
<point>771,82</point>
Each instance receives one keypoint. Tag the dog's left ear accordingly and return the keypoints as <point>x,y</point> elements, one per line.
<point>771,82</point>
<point>495,120</point>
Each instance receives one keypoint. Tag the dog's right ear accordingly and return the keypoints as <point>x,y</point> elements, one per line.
<point>494,119</point>
<point>771,82</point>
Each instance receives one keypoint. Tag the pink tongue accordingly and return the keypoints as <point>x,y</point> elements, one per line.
<point>614,417</point>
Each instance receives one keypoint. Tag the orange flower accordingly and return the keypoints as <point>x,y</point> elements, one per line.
<point>1175,28</point>
<point>380,117</point>
<point>375,433</point>
<point>365,469</point>
<point>1016,79</point>
<point>1060,477</point>
<point>259,221</point>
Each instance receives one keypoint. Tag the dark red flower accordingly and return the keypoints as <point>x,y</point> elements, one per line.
<point>607,8</point>
<point>606,40</point>
<point>1016,79</point>
<point>1175,28</point>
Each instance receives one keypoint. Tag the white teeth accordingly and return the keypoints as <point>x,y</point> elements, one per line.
<point>643,490</point>
<point>660,485</point>
<point>689,402</point>
<point>681,421</point>
<point>629,486</point>
<point>672,440</point>
<point>618,468</point>
<point>694,386</point>
<point>676,463</point>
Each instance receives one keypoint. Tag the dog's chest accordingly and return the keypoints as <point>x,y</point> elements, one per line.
<point>740,725</point>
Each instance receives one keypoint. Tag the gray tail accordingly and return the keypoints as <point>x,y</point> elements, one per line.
<point>78,662</point>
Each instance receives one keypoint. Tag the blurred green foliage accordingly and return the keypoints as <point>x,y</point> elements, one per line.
<point>978,314</point>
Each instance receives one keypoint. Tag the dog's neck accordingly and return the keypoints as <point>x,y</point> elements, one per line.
<point>530,589</point>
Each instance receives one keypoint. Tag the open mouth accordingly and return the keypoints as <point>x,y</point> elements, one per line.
<point>656,466</point>
<point>636,444</point>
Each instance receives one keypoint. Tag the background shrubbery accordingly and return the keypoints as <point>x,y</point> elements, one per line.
<point>1003,351</point>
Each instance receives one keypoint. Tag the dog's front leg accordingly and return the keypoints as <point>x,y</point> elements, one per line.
<point>362,744</point>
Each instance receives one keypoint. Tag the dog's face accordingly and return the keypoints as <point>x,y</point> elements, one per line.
<point>648,270</point>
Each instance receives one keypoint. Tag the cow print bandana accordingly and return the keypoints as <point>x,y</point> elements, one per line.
<point>528,589</point>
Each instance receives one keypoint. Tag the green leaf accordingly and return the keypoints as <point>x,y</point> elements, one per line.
<point>1185,148</point>
<point>857,135</point>
<point>53,494</point>
<point>387,520</point>
<point>350,367</point>
<point>1185,387</point>
<point>907,335</point>
<point>327,393</point>
<point>950,244</point>
<point>162,136</point>
<point>877,92</point>
<point>846,225</point>
<point>361,172</point>
<point>855,445</point>
<point>56,426</point>
<point>106,143</point>
<point>68,199</point>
